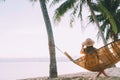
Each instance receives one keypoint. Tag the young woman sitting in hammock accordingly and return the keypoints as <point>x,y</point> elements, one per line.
<point>97,60</point>
<point>88,49</point>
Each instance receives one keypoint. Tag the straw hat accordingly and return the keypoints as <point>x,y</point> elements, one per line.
<point>88,42</point>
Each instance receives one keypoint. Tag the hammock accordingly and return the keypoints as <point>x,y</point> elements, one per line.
<point>106,57</point>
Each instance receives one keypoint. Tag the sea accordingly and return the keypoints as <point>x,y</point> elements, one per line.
<point>15,70</point>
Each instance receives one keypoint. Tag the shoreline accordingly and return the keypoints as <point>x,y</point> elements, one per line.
<point>114,74</point>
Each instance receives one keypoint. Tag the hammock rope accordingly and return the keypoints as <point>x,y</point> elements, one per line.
<point>65,53</point>
<point>59,49</point>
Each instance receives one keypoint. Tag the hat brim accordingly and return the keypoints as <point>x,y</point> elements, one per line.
<point>88,42</point>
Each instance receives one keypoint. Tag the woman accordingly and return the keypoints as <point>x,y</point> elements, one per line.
<point>91,55</point>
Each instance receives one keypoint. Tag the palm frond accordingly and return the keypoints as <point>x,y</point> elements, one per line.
<point>76,9</point>
<point>104,24</point>
<point>82,2</point>
<point>107,34</point>
<point>108,16</point>
<point>63,9</point>
<point>55,2</point>
<point>95,7</point>
<point>99,17</point>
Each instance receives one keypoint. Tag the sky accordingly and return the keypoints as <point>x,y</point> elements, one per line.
<point>23,32</point>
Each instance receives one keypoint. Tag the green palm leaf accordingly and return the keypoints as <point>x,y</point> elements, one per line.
<point>63,8</point>
<point>109,17</point>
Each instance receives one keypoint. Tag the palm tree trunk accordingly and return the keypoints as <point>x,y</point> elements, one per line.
<point>96,21</point>
<point>53,67</point>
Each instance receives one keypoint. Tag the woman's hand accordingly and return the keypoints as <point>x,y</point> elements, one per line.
<point>65,52</point>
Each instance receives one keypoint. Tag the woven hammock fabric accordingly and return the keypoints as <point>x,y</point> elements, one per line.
<point>106,56</point>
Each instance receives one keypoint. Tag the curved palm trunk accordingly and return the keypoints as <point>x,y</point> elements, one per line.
<point>93,14</point>
<point>53,67</point>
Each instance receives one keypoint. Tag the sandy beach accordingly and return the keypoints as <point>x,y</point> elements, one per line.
<point>113,73</point>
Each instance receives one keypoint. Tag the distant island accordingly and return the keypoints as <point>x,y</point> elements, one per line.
<point>59,59</point>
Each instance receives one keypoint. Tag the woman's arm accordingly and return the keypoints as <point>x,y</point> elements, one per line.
<point>82,50</point>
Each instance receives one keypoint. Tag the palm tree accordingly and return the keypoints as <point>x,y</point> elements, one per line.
<point>108,16</point>
<point>53,66</point>
<point>76,6</point>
